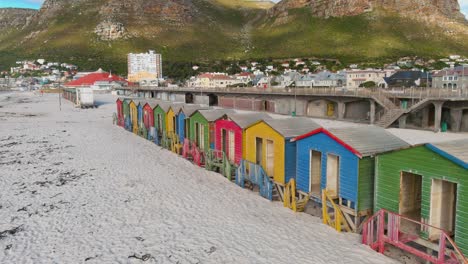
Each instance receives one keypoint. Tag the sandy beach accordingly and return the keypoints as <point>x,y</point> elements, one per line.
<point>77,189</point>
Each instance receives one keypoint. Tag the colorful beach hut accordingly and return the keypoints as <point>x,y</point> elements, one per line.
<point>340,163</point>
<point>267,143</point>
<point>229,133</point>
<point>182,120</point>
<point>160,116</point>
<point>120,115</point>
<point>429,185</point>
<point>126,114</point>
<point>202,127</point>
<point>133,106</point>
<point>148,113</point>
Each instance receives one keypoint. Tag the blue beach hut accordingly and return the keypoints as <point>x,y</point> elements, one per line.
<point>340,164</point>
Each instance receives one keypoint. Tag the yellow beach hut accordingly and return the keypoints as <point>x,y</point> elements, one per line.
<point>267,143</point>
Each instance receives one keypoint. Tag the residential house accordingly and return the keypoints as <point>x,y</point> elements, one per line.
<point>454,79</point>
<point>354,78</point>
<point>408,79</point>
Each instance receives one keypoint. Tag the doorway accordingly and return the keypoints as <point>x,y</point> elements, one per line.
<point>270,158</point>
<point>410,200</point>
<point>160,122</point>
<point>197,134</point>
<point>443,205</point>
<point>333,175</point>
<point>315,172</point>
<point>231,146</point>
<point>258,150</point>
<point>223,141</point>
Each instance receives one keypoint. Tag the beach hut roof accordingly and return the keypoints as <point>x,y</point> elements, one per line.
<point>153,103</point>
<point>369,140</point>
<point>362,141</point>
<point>243,120</point>
<point>166,105</point>
<point>293,126</point>
<point>190,109</point>
<point>214,114</point>
<point>455,151</point>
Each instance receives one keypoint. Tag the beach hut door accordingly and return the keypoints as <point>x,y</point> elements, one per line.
<point>442,211</point>
<point>410,200</point>
<point>315,171</point>
<point>270,157</point>
<point>232,148</point>
<point>201,136</point>
<point>333,169</point>
<point>259,150</point>
<point>160,123</point>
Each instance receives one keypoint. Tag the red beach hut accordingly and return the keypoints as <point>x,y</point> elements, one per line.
<point>120,115</point>
<point>229,133</point>
<point>148,114</point>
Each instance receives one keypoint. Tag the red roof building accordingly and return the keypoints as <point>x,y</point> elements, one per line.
<point>95,78</point>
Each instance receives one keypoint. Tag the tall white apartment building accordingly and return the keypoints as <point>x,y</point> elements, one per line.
<point>144,66</point>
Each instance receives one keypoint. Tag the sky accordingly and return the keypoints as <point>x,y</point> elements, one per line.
<point>37,4</point>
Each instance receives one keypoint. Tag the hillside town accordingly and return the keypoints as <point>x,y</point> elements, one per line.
<point>146,69</point>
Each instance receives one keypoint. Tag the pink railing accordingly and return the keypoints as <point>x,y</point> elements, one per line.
<point>197,155</point>
<point>408,235</point>
<point>186,149</point>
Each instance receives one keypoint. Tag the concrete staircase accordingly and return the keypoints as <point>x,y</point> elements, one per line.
<point>390,117</point>
<point>393,113</point>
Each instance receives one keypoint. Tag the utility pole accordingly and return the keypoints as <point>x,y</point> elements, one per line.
<point>60,94</point>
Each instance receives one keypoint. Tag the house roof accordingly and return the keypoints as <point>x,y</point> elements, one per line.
<point>214,114</point>
<point>362,141</point>
<point>94,77</point>
<point>243,120</point>
<point>293,126</point>
<point>461,71</point>
<point>455,151</point>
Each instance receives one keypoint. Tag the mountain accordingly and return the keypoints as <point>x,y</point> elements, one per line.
<point>94,33</point>
<point>13,18</point>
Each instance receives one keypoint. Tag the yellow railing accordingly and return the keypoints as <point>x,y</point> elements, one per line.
<point>337,220</point>
<point>290,199</point>
<point>175,144</point>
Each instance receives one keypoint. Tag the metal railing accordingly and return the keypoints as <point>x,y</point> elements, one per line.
<point>401,92</point>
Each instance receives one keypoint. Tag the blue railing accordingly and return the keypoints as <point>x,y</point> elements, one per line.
<point>255,174</point>
<point>128,124</point>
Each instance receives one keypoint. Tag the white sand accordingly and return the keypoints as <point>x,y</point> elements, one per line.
<point>84,191</point>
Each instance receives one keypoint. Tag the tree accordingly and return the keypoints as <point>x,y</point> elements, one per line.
<point>369,84</point>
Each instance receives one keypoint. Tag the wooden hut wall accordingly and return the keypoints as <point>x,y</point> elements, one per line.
<point>170,118</point>
<point>229,138</point>
<point>140,113</point>
<point>197,120</point>
<point>159,119</point>
<point>126,109</point>
<point>262,133</point>
<point>180,119</point>
<point>347,180</point>
<point>134,113</point>
<point>119,104</point>
<point>391,183</point>
<point>148,116</point>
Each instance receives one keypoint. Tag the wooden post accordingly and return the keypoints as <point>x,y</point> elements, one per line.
<point>324,207</point>
<point>442,241</point>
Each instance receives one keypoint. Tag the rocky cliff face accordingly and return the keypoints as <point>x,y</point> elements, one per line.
<point>449,9</point>
<point>15,17</point>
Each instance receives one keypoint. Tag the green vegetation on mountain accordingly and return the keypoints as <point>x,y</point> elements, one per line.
<point>205,31</point>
